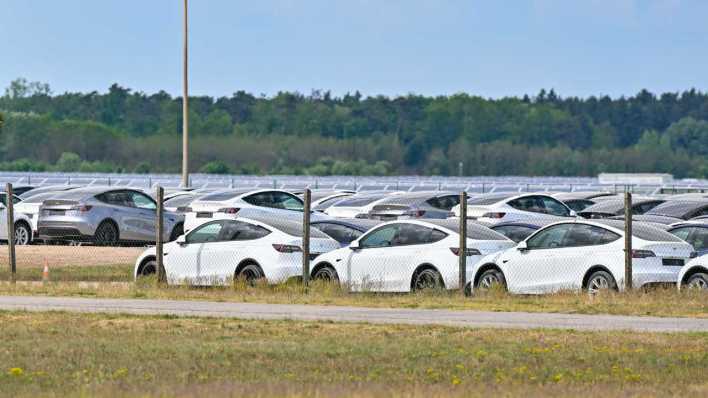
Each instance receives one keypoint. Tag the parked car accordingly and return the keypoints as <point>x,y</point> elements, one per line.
<point>492,208</point>
<point>216,204</point>
<point>410,205</point>
<point>357,206</point>
<point>521,229</point>
<point>577,201</point>
<point>23,224</point>
<point>21,189</point>
<point>652,218</point>
<point>683,209</point>
<point>402,256</point>
<point>344,231</point>
<point>693,232</point>
<point>105,216</point>
<point>223,250</point>
<point>694,275</point>
<point>30,207</point>
<point>583,254</point>
<point>615,207</point>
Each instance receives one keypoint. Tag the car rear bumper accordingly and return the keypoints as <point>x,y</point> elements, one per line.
<point>58,230</point>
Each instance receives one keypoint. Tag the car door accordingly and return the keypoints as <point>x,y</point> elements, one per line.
<point>119,207</point>
<point>531,270</point>
<point>366,266</point>
<point>237,240</point>
<point>145,213</point>
<point>183,262</point>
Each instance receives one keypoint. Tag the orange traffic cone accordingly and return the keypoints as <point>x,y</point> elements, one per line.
<point>45,271</point>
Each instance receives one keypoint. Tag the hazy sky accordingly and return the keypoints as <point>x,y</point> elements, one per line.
<point>491,48</point>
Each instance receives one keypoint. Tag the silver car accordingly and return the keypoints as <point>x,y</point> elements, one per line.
<point>415,205</point>
<point>105,216</point>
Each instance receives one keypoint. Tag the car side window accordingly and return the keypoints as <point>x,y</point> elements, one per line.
<point>259,199</point>
<point>412,234</point>
<point>240,231</point>
<point>206,233</point>
<point>682,233</point>
<point>282,200</point>
<point>579,205</point>
<point>554,207</point>
<point>340,233</point>
<point>699,239</point>
<point>549,238</point>
<point>644,207</point>
<point>588,235</point>
<point>517,233</point>
<point>446,202</point>
<point>142,201</point>
<point>382,237</point>
<point>527,203</point>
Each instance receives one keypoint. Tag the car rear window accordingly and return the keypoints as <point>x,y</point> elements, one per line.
<point>474,230</point>
<point>181,200</point>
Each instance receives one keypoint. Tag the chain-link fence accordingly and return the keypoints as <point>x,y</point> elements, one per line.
<point>271,237</point>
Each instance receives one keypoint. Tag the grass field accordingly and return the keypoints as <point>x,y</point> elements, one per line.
<point>660,302</point>
<point>60,354</point>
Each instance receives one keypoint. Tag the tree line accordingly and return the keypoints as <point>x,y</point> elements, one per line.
<point>322,134</point>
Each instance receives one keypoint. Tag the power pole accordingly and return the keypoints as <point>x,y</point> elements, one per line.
<point>185,107</point>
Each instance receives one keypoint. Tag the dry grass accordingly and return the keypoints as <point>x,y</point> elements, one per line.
<point>55,256</point>
<point>659,302</point>
<point>58,354</point>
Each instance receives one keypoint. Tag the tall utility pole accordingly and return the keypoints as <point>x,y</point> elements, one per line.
<point>185,108</point>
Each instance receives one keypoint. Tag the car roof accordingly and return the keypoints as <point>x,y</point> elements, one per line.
<point>641,230</point>
<point>678,208</point>
<point>360,224</point>
<point>410,198</point>
<point>613,206</point>
<point>474,230</point>
<point>80,193</point>
<point>580,195</point>
<point>288,227</point>
<point>490,198</point>
<point>529,222</point>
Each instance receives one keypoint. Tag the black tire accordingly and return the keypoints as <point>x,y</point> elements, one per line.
<point>600,281</point>
<point>177,231</point>
<point>149,268</point>
<point>106,234</point>
<point>427,279</point>
<point>23,234</point>
<point>250,273</point>
<point>698,281</point>
<point>326,273</point>
<point>489,279</point>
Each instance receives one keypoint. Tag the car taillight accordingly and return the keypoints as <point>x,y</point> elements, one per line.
<point>184,209</point>
<point>693,255</point>
<point>493,215</point>
<point>81,208</point>
<point>286,248</point>
<point>468,251</point>
<point>229,210</point>
<point>642,253</point>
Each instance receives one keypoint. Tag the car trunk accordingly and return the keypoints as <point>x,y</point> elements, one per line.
<point>389,212</point>
<point>57,207</point>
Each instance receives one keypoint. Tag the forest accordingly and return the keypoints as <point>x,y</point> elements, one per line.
<point>545,134</point>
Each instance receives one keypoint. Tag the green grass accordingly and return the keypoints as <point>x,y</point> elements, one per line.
<point>59,354</point>
<point>658,302</point>
<point>97,273</point>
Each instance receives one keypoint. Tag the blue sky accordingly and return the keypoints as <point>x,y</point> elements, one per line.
<point>489,48</point>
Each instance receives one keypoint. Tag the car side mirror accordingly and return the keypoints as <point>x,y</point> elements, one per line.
<point>522,246</point>
<point>354,245</point>
<point>573,213</point>
<point>181,240</point>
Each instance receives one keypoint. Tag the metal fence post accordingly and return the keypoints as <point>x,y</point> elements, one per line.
<point>306,238</point>
<point>159,236</point>
<point>462,257</point>
<point>11,234</point>
<point>627,241</point>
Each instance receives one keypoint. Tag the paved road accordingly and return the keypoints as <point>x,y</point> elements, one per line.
<point>519,320</point>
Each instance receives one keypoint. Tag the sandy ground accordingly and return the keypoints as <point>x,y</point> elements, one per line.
<point>62,256</point>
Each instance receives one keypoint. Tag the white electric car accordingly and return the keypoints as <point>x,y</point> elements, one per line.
<point>23,224</point>
<point>213,205</point>
<point>493,208</point>
<point>694,275</point>
<point>222,250</point>
<point>359,205</point>
<point>401,256</point>
<point>587,255</point>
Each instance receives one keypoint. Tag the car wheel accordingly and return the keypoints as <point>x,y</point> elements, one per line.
<point>23,235</point>
<point>149,268</point>
<point>251,273</point>
<point>490,279</point>
<point>600,281</point>
<point>326,273</point>
<point>698,281</point>
<point>106,234</point>
<point>177,231</point>
<point>427,279</point>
